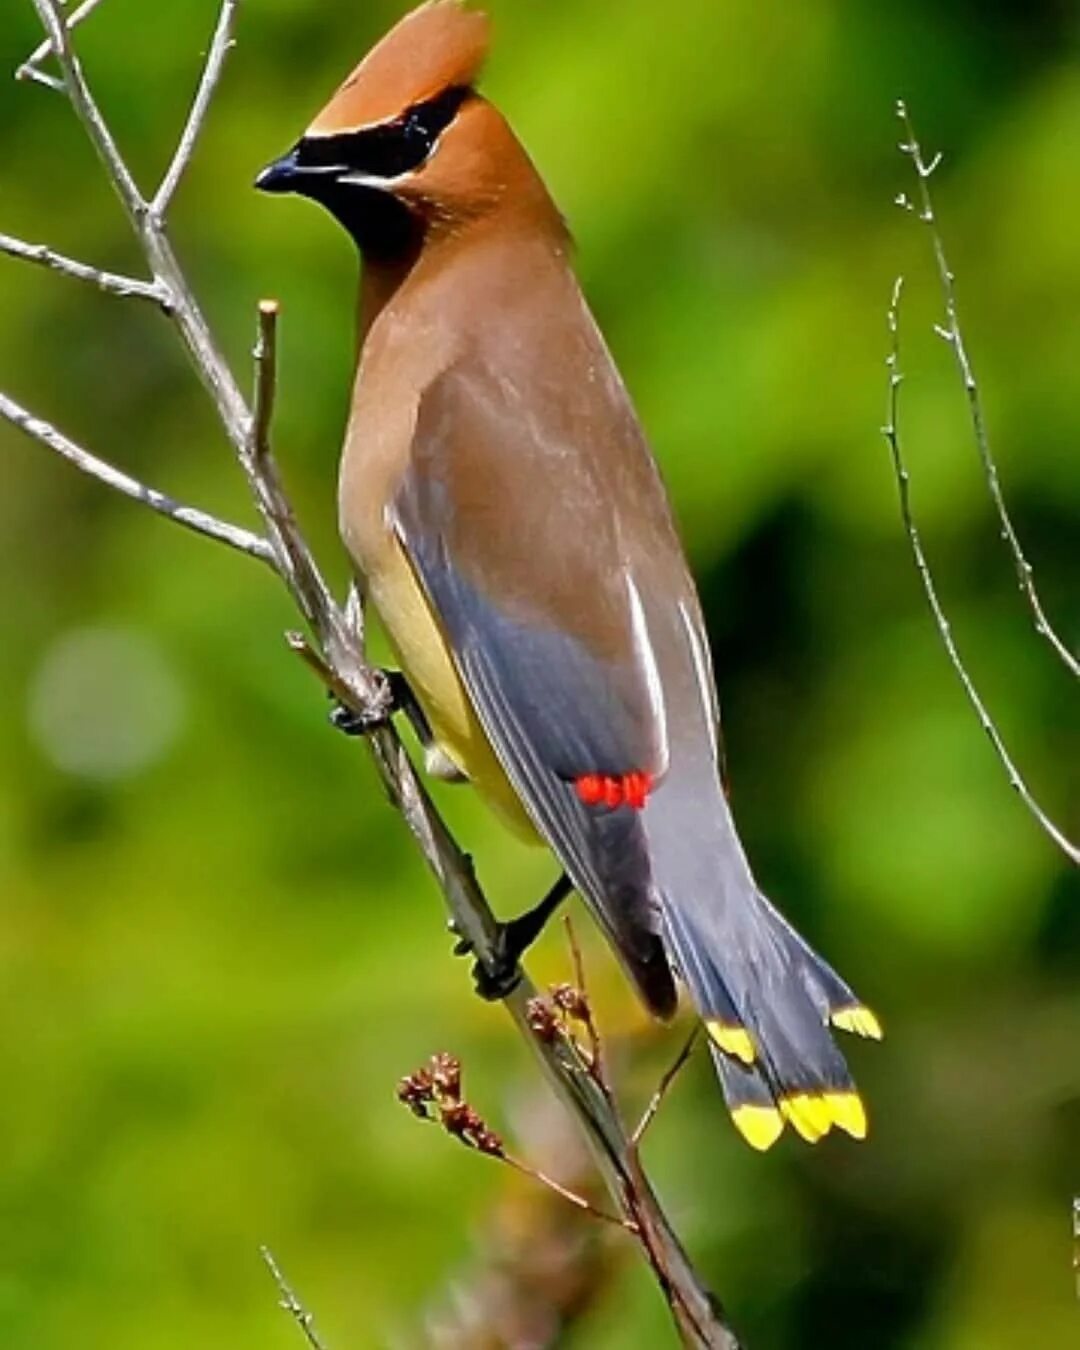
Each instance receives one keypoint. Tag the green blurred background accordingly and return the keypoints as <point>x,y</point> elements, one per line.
<point>218,951</point>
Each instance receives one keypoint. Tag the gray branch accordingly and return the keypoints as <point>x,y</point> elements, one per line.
<point>891,432</point>
<point>951,333</point>
<point>112,283</point>
<point>288,1302</point>
<point>215,62</point>
<point>29,68</point>
<point>338,657</point>
<point>188,516</point>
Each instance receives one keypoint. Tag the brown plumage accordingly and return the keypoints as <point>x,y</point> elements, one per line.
<point>499,498</point>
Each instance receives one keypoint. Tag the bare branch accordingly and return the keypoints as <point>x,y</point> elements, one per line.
<point>572,1197</point>
<point>112,283</point>
<point>662,1088</point>
<point>950,332</point>
<point>86,109</point>
<point>434,1093</point>
<point>202,349</point>
<point>289,1302</point>
<point>220,44</point>
<point>39,77</point>
<point>584,1011</point>
<point>188,516</point>
<point>265,355</point>
<point>891,432</point>
<point>29,68</point>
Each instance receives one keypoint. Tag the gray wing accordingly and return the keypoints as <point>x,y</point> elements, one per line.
<point>515,597</point>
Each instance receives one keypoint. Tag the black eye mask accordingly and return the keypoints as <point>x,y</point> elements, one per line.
<point>389,150</point>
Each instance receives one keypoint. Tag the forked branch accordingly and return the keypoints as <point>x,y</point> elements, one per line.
<point>214,65</point>
<point>891,432</point>
<point>951,333</point>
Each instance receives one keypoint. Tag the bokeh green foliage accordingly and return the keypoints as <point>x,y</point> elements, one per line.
<point>215,963</point>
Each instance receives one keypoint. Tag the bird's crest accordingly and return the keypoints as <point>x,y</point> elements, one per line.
<point>440,45</point>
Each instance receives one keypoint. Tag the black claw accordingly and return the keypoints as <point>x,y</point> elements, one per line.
<point>359,724</point>
<point>496,977</point>
<point>354,723</point>
<point>501,972</point>
<point>463,946</point>
<point>495,981</point>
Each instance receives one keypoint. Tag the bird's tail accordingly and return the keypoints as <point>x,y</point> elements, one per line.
<point>767,999</point>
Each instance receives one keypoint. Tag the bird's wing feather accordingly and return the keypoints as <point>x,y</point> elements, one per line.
<point>542,627</point>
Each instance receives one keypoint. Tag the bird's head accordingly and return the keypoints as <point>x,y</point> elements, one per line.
<point>406,145</point>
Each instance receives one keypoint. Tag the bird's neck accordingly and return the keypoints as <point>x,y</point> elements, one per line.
<point>379,283</point>
<point>383,277</point>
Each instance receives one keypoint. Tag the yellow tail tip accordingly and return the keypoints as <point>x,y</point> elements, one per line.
<point>760,1126</point>
<point>848,1112</point>
<point>733,1040</point>
<point>814,1115</point>
<point>811,1116</point>
<point>859,1021</point>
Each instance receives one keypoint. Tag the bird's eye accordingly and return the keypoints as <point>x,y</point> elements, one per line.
<point>389,150</point>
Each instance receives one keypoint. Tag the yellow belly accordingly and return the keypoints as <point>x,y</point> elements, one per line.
<point>421,648</point>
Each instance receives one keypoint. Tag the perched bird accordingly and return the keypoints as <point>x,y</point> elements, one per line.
<point>498,497</point>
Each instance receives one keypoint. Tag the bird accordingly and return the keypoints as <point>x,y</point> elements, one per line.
<point>508,521</point>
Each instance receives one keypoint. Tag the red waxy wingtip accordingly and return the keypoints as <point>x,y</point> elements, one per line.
<point>612,790</point>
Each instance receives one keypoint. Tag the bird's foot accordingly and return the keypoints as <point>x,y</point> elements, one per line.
<point>499,973</point>
<point>354,723</point>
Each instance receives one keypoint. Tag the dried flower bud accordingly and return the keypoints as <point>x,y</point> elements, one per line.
<point>446,1076</point>
<point>469,1127</point>
<point>417,1092</point>
<point>543,1021</point>
<point>571,1001</point>
<point>487,1141</point>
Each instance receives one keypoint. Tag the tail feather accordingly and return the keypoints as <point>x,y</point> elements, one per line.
<point>833,996</point>
<point>767,1025</point>
<point>766,997</point>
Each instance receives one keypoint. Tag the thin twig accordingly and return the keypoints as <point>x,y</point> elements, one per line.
<point>29,68</point>
<point>578,1201</point>
<point>595,1045</point>
<point>112,283</point>
<point>289,1302</point>
<point>950,332</point>
<point>655,1102</point>
<point>220,44</point>
<point>86,108</point>
<point>188,516</point>
<point>435,1093</point>
<point>891,432</point>
<point>265,355</point>
<point>52,82</point>
<point>202,349</point>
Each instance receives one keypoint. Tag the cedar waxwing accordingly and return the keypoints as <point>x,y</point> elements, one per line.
<point>500,502</point>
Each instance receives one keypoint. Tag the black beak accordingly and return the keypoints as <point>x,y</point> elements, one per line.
<point>282,175</point>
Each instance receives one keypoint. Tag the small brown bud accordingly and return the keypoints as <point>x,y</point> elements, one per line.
<point>543,1021</point>
<point>465,1124</point>
<point>487,1141</point>
<point>571,1001</point>
<point>416,1091</point>
<point>446,1076</point>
